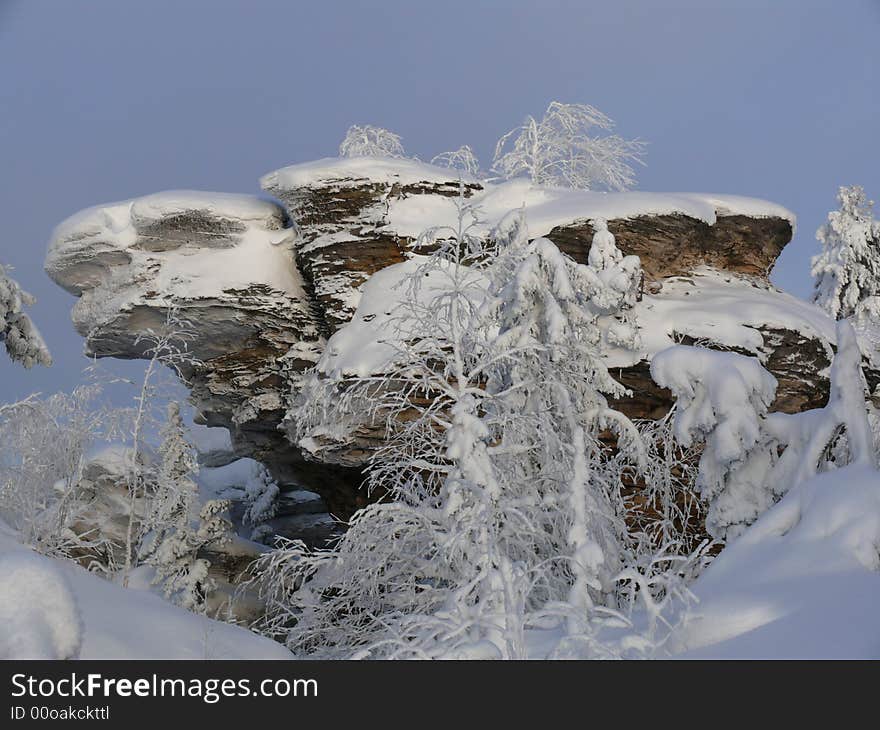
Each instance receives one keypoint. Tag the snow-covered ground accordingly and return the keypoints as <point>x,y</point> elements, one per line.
<point>116,623</point>
<point>802,582</point>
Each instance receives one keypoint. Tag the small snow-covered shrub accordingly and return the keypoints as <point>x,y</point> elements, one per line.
<point>180,571</point>
<point>664,504</point>
<point>752,457</point>
<point>370,141</point>
<point>171,534</point>
<point>562,149</point>
<point>39,617</point>
<point>170,501</point>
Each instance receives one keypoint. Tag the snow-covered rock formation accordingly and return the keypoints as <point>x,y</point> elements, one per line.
<point>358,215</point>
<point>224,261</point>
<point>263,286</point>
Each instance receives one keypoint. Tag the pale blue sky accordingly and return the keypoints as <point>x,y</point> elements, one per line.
<point>105,100</point>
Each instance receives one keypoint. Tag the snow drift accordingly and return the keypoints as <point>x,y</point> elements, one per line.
<point>56,610</point>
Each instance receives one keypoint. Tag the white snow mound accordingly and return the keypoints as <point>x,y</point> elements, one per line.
<point>39,616</point>
<point>54,609</point>
<point>802,582</point>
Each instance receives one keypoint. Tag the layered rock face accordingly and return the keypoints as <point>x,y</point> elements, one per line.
<point>341,214</point>
<point>675,244</point>
<point>357,216</point>
<point>225,265</point>
<point>264,286</point>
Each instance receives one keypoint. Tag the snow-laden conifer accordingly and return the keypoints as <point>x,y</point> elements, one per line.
<point>261,502</point>
<point>171,503</point>
<point>172,533</point>
<point>847,271</point>
<point>22,339</point>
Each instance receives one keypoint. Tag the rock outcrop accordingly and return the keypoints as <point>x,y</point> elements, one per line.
<point>675,244</point>
<point>341,214</point>
<point>263,286</point>
<point>223,263</point>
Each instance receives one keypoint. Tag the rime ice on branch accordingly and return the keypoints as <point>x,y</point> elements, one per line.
<point>370,141</point>
<point>561,149</point>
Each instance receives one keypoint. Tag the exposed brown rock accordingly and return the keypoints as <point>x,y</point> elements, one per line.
<point>672,245</point>
<point>798,363</point>
<point>342,239</point>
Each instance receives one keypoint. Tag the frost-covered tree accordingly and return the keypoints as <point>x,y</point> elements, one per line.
<point>621,280</point>
<point>463,159</point>
<point>722,399</point>
<point>558,378</point>
<point>604,253</point>
<point>563,149</point>
<point>171,534</point>
<point>752,457</point>
<point>166,347</point>
<point>23,341</point>
<point>501,512</point>
<point>420,575</point>
<point>179,569</point>
<point>45,446</point>
<point>182,574</point>
<point>261,502</point>
<point>847,271</point>
<point>370,141</point>
<point>169,506</point>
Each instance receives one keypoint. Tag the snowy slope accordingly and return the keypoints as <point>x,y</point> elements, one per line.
<point>124,623</point>
<point>802,582</point>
